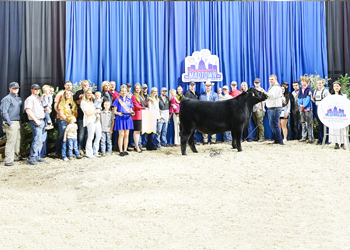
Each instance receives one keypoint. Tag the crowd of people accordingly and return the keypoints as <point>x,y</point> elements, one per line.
<point>94,124</point>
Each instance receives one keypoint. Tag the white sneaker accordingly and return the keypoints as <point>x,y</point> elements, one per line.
<point>66,159</point>
<point>284,141</point>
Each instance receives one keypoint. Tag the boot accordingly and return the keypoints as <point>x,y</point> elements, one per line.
<point>336,146</point>
<point>342,146</point>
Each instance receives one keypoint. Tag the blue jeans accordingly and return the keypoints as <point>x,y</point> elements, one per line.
<point>72,146</point>
<point>227,136</point>
<point>48,119</point>
<point>61,127</point>
<point>161,133</point>
<point>106,139</point>
<point>274,117</point>
<point>320,127</point>
<point>39,137</point>
<point>44,147</point>
<point>144,139</point>
<point>81,134</point>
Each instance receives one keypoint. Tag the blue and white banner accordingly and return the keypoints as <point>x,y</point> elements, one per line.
<point>202,66</point>
<point>334,111</point>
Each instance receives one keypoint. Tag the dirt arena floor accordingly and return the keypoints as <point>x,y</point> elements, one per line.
<point>295,196</point>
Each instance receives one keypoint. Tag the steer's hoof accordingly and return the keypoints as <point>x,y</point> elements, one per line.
<point>239,149</point>
<point>195,151</point>
<point>183,153</point>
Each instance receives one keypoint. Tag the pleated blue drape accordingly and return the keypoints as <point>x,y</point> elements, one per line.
<point>147,42</point>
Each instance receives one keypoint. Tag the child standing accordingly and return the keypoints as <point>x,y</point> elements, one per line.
<point>97,104</point>
<point>107,125</point>
<point>46,100</point>
<point>71,134</point>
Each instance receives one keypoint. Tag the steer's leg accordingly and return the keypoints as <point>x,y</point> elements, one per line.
<point>184,139</point>
<point>238,136</point>
<point>191,143</point>
<point>234,143</point>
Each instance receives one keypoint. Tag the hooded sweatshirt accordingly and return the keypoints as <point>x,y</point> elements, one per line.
<point>304,98</point>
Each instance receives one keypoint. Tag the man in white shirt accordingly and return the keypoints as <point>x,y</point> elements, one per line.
<point>274,108</point>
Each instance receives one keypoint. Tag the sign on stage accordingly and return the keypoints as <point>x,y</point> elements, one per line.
<point>334,111</point>
<point>202,66</point>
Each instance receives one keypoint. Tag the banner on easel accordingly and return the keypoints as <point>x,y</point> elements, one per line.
<point>149,121</point>
<point>334,111</point>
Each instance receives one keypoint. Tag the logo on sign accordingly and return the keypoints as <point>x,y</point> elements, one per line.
<point>202,66</point>
<point>335,112</point>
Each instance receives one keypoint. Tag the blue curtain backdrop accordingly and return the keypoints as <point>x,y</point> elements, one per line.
<point>147,42</point>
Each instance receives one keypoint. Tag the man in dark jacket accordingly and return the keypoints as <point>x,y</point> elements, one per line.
<point>191,93</point>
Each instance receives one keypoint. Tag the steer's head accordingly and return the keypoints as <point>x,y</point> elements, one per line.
<point>257,95</point>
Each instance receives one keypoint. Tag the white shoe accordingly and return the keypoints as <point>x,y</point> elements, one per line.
<point>66,159</point>
<point>284,141</point>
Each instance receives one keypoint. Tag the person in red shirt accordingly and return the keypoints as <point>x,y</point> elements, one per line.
<point>112,90</point>
<point>139,104</point>
<point>234,92</point>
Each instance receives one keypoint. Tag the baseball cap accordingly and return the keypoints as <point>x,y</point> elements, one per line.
<point>35,86</point>
<point>256,80</point>
<point>225,87</point>
<point>128,85</point>
<point>144,85</point>
<point>164,89</point>
<point>14,85</point>
<point>233,83</point>
<point>191,83</point>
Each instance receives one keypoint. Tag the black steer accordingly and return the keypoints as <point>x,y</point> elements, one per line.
<point>217,117</point>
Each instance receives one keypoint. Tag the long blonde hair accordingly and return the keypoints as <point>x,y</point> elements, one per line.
<point>245,84</point>
<point>70,100</point>
<point>85,98</point>
<point>136,94</point>
<point>172,93</point>
<point>104,83</point>
<point>154,89</point>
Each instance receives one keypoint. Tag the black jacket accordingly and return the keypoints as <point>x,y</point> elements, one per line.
<point>190,94</point>
<point>162,105</point>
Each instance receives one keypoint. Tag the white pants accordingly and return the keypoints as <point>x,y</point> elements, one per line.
<point>92,130</point>
<point>176,128</point>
